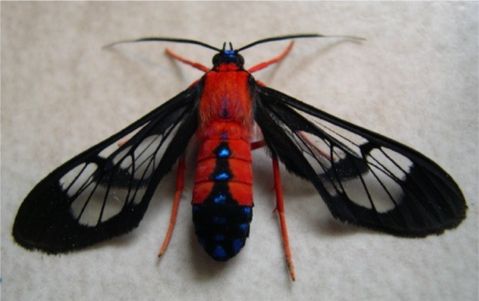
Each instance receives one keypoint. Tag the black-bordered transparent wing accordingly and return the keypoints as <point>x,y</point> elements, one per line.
<point>105,190</point>
<point>364,178</point>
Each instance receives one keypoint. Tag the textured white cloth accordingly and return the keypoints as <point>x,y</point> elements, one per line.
<point>415,79</point>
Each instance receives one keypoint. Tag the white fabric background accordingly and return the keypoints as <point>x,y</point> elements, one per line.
<point>415,80</point>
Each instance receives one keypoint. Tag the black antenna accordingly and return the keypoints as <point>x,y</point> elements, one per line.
<point>161,39</point>
<point>296,36</point>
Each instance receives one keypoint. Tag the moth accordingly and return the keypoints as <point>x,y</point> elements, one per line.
<point>364,178</point>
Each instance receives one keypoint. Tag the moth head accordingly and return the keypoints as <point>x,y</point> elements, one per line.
<point>228,56</point>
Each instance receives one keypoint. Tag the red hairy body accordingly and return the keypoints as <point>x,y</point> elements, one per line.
<point>225,116</point>
<point>102,193</point>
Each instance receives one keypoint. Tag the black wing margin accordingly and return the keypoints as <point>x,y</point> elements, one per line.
<point>104,191</point>
<point>365,178</point>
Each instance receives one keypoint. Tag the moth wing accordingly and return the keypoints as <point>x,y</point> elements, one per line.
<point>104,191</point>
<point>364,178</point>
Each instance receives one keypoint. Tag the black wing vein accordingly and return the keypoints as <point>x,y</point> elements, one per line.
<point>105,190</point>
<point>364,178</point>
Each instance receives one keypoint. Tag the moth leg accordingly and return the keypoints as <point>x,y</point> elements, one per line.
<point>260,83</point>
<point>186,61</point>
<point>272,61</point>
<point>257,144</point>
<point>314,148</point>
<point>180,184</point>
<point>282,218</point>
<point>122,142</point>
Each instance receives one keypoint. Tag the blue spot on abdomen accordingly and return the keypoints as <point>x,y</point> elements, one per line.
<point>222,176</point>
<point>219,253</point>
<point>219,198</point>
<point>244,229</point>
<point>222,229</point>
<point>247,212</point>
<point>238,244</point>
<point>223,152</point>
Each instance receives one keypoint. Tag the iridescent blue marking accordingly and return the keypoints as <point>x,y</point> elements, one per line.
<point>223,152</point>
<point>219,237</point>
<point>247,211</point>
<point>231,53</point>
<point>219,198</point>
<point>244,228</point>
<point>237,245</point>
<point>219,252</point>
<point>222,176</point>
<point>219,220</point>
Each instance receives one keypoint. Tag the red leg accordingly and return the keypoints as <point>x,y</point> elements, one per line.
<point>315,149</point>
<point>122,142</point>
<point>272,61</point>
<point>260,83</point>
<point>257,144</point>
<point>186,61</point>
<point>180,184</point>
<point>282,218</point>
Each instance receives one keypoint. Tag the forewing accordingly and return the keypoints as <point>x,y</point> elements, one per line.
<point>364,178</point>
<point>104,191</point>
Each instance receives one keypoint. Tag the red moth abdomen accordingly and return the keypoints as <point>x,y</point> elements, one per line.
<point>222,193</point>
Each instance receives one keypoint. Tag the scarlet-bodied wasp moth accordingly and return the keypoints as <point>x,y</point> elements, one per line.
<point>365,178</point>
